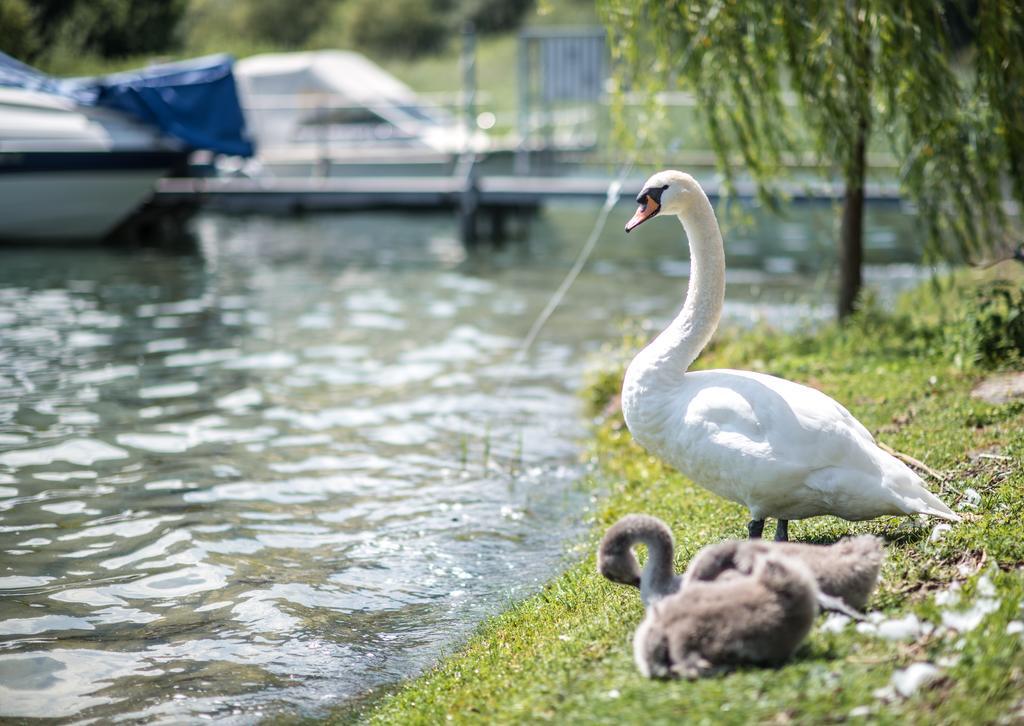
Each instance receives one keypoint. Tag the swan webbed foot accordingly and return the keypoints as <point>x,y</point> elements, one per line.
<point>755,527</point>
<point>782,531</point>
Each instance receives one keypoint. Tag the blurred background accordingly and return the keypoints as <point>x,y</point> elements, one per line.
<point>273,435</point>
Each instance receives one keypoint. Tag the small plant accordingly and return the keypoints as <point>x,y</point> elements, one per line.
<point>995,325</point>
<point>602,388</point>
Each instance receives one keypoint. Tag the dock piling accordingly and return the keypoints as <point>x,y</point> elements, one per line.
<point>469,198</point>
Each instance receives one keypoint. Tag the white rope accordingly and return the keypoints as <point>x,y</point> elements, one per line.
<point>614,191</point>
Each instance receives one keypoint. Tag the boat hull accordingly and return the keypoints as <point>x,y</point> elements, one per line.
<point>75,195</point>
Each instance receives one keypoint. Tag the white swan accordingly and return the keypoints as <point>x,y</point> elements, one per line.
<point>779,448</point>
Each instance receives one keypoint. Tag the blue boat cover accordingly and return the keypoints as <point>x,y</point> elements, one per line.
<point>195,100</point>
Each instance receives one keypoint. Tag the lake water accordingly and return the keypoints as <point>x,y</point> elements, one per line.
<point>259,478</point>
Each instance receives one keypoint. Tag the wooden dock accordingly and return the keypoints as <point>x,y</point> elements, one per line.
<point>438,193</point>
<point>464,193</point>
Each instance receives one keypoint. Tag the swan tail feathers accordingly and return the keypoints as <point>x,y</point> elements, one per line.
<point>922,501</point>
<point>945,513</point>
<point>913,495</point>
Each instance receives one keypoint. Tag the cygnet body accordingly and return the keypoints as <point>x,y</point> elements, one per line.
<point>757,618</point>
<point>847,570</point>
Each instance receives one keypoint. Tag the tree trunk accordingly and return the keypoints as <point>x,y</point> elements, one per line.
<point>851,232</point>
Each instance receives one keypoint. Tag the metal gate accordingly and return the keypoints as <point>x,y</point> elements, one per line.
<point>562,74</point>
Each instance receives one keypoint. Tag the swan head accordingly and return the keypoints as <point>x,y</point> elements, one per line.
<point>667,192</point>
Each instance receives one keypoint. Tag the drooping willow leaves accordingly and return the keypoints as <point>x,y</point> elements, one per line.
<point>781,81</point>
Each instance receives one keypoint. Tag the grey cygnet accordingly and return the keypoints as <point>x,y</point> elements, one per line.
<point>616,561</point>
<point>758,618</point>
<point>846,570</point>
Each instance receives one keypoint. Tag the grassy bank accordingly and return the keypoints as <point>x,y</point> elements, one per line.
<point>564,654</point>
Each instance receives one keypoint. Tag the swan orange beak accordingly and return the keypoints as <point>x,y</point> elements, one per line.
<point>643,213</point>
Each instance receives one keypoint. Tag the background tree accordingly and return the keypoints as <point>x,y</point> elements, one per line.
<point>105,28</point>
<point>859,69</point>
<point>412,28</point>
<point>17,30</point>
<point>284,24</point>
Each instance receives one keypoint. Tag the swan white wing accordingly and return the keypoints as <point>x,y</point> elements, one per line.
<point>865,477</point>
<point>780,448</point>
<point>784,424</point>
<point>811,407</point>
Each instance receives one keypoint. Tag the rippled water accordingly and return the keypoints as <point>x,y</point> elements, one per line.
<point>265,475</point>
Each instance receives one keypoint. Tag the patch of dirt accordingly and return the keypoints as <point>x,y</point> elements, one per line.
<point>1001,388</point>
<point>899,420</point>
<point>988,453</point>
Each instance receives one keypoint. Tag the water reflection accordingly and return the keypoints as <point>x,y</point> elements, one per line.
<point>265,477</point>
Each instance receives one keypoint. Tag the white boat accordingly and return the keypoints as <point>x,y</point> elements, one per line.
<point>335,112</point>
<point>78,156</point>
<point>72,172</point>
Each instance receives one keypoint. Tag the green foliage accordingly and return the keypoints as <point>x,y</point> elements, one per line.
<point>857,69</point>
<point>284,24</point>
<point>995,325</point>
<point>105,28</point>
<point>404,28</point>
<point>401,29</point>
<point>495,16</point>
<point>972,320</point>
<point>17,33</point>
<point>86,36</point>
<point>1000,63</point>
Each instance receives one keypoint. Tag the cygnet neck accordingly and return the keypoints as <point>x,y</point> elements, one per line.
<point>658,578</point>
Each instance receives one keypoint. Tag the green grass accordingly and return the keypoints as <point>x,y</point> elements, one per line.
<point>564,654</point>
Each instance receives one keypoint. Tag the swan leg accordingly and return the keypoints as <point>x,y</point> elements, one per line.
<point>782,531</point>
<point>754,528</point>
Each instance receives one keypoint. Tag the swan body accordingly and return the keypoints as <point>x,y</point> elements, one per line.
<point>779,448</point>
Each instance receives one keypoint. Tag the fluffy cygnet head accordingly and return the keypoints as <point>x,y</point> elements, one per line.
<point>617,562</point>
<point>757,618</point>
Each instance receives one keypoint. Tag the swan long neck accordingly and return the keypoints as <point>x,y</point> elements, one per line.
<point>675,349</point>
